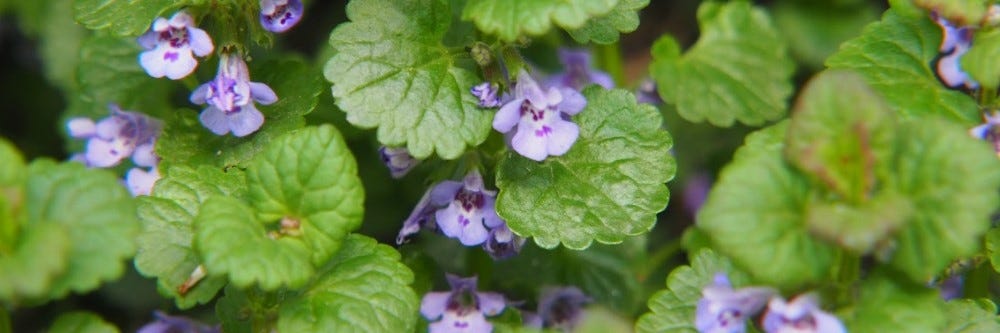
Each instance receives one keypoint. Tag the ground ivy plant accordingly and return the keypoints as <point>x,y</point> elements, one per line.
<point>503,166</point>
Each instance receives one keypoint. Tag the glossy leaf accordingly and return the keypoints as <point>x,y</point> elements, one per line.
<point>971,316</point>
<point>124,17</point>
<point>980,62</point>
<point>513,18</point>
<point>624,18</point>
<point>81,322</point>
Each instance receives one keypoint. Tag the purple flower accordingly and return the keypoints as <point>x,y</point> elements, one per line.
<point>801,315</point>
<point>647,93</point>
<point>462,210</point>
<point>578,72</point>
<point>398,160</point>
<point>989,131</point>
<point>502,243</point>
<point>539,119</point>
<point>723,309</point>
<point>486,92</point>
<point>230,99</point>
<point>169,44</point>
<point>138,180</point>
<point>114,138</point>
<point>562,307</point>
<point>951,288</point>
<point>280,15</point>
<point>955,42</point>
<point>170,324</point>
<point>463,309</point>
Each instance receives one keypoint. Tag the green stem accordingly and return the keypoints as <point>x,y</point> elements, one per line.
<point>609,58</point>
<point>659,257</point>
<point>846,272</point>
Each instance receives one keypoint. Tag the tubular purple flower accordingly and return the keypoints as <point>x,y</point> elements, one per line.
<point>502,243</point>
<point>463,309</point>
<point>487,93</point>
<point>578,72</point>
<point>538,119</point>
<point>398,160</point>
<point>230,98</point>
<point>169,44</point>
<point>801,315</point>
<point>167,324</point>
<point>461,210</point>
<point>647,93</point>
<point>280,15</point>
<point>989,130</point>
<point>116,137</point>
<point>562,307</point>
<point>723,309</point>
<point>955,42</point>
<point>138,180</point>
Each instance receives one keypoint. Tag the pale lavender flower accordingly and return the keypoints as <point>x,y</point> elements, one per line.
<point>230,97</point>
<point>174,324</point>
<point>114,138</point>
<point>462,210</point>
<point>955,42</point>
<point>280,15</point>
<point>578,72</point>
<point>169,44</point>
<point>801,315</point>
<point>562,308</point>
<point>723,309</point>
<point>502,243</point>
<point>539,119</point>
<point>398,160</point>
<point>989,130</point>
<point>140,181</point>
<point>647,93</point>
<point>951,288</point>
<point>487,93</point>
<point>463,309</point>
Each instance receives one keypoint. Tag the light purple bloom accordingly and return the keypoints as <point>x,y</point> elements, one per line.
<point>280,15</point>
<point>169,324</point>
<point>230,98</point>
<point>562,307</point>
<point>463,309</point>
<point>138,180</point>
<point>462,210</point>
<point>955,42</point>
<point>169,44</point>
<point>647,93</point>
<point>723,309</point>
<point>989,131</point>
<point>114,138</point>
<point>539,119</point>
<point>578,72</point>
<point>503,243</point>
<point>801,315</point>
<point>951,288</point>
<point>398,160</point>
<point>487,93</point>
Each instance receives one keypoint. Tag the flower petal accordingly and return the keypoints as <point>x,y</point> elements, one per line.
<point>572,103</point>
<point>245,121</point>
<point>144,155</point>
<point>564,134</point>
<point>262,93</point>
<point>140,182</point>
<point>432,306</point>
<point>214,120</point>
<point>200,94</point>
<point>491,304</point>
<point>508,116</point>
<point>81,127</point>
<point>200,42</point>
<point>529,145</point>
<point>444,192</point>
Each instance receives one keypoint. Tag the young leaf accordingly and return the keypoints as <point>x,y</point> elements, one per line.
<point>887,305</point>
<point>673,309</point>
<point>363,288</point>
<point>952,181</point>
<point>124,17</point>
<point>166,243</point>
<point>81,322</point>
<point>610,185</point>
<point>231,240</point>
<point>980,62</point>
<point>97,214</point>
<point>894,56</point>
<point>971,316</point>
<point>739,70</point>
<point>310,179</point>
<point>755,214</point>
<point>392,71</point>
<point>513,18</point>
<point>624,18</point>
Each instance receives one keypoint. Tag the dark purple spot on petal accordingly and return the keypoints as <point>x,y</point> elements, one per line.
<point>170,56</point>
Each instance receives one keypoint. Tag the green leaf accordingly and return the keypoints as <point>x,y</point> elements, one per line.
<point>894,56</point>
<point>610,185</point>
<point>60,42</point>
<point>123,17</point>
<point>980,62</point>
<point>186,141</point>
<point>860,228</point>
<point>364,288</point>
<point>755,214</point>
<point>673,309</point>
<point>392,71</point>
<point>815,29</point>
<point>888,305</point>
<point>971,316</point>
<point>231,240</point>
<point>513,18</point>
<point>81,322</point>
<point>310,177</point>
<point>993,247</point>
<point>97,214</point>
<point>739,70</point>
<point>842,134</point>
<point>166,243</point>
<point>961,12</point>
<point>29,264</point>
<point>624,18</point>
<point>12,170</point>
<point>234,310</point>
<point>952,181</point>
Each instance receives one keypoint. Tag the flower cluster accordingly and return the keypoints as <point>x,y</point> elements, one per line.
<point>724,309</point>
<point>463,309</point>
<point>464,211</point>
<point>955,42</point>
<point>123,134</point>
